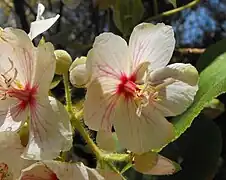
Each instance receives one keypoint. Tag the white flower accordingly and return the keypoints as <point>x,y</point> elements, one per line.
<point>26,74</point>
<point>11,163</point>
<point>54,170</point>
<point>40,25</point>
<point>133,89</point>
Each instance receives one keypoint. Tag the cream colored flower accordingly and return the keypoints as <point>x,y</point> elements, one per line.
<point>41,24</point>
<point>54,170</point>
<point>133,90</point>
<point>11,163</point>
<point>26,74</point>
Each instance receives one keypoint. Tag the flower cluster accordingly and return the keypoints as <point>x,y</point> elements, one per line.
<point>130,92</point>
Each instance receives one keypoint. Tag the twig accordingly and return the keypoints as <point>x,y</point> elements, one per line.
<point>190,50</point>
<point>173,11</point>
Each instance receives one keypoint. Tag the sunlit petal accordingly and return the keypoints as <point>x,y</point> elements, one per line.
<point>99,105</point>
<point>44,68</point>
<point>40,25</point>
<point>141,134</point>
<point>50,131</point>
<point>153,43</point>
<point>108,57</point>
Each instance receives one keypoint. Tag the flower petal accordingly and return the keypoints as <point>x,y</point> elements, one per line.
<point>10,151</point>
<point>44,68</point>
<point>11,115</point>
<point>141,134</point>
<point>19,49</point>
<point>109,56</point>
<point>59,170</point>
<point>100,103</point>
<point>106,141</point>
<point>175,98</point>
<point>178,71</point>
<point>50,130</point>
<point>154,164</point>
<point>40,11</point>
<point>153,43</point>
<point>40,25</point>
<point>163,166</point>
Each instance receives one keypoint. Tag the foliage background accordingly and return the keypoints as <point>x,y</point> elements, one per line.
<point>201,150</point>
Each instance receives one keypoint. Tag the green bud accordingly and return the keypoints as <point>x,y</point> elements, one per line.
<point>63,61</point>
<point>79,75</point>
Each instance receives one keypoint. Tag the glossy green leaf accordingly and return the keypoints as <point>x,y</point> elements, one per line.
<point>127,14</point>
<point>211,54</point>
<point>174,3</point>
<point>212,83</point>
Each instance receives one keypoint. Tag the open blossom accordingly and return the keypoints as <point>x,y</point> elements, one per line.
<point>26,74</point>
<point>54,170</point>
<point>133,90</point>
<point>11,163</point>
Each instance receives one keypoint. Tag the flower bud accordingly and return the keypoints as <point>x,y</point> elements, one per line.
<point>63,61</point>
<point>79,75</point>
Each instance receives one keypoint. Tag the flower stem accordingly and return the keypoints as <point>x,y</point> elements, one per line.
<point>173,11</point>
<point>67,93</point>
<point>77,124</point>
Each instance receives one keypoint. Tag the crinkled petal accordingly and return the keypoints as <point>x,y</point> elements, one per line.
<point>40,11</point>
<point>41,25</point>
<point>141,134</point>
<point>18,49</point>
<point>175,98</point>
<point>50,131</point>
<point>44,68</point>
<point>47,170</point>
<point>153,43</point>
<point>100,104</point>
<point>10,150</point>
<point>11,115</point>
<point>109,57</point>
<point>178,71</point>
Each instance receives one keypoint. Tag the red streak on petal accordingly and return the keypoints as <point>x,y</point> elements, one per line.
<point>26,96</point>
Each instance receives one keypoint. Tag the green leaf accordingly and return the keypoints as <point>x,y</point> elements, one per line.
<point>212,83</point>
<point>174,3</point>
<point>211,54</point>
<point>127,14</point>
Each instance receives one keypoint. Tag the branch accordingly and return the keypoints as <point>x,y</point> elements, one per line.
<point>190,50</point>
<point>173,11</point>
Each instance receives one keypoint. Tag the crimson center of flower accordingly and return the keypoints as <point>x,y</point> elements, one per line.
<point>127,86</point>
<point>26,96</point>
